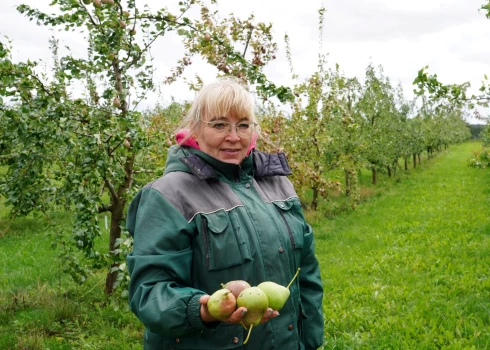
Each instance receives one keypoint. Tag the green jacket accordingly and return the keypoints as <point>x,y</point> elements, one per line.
<point>205,222</point>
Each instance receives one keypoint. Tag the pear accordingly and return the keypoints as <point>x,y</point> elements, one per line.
<point>277,295</point>
<point>236,287</point>
<point>221,304</point>
<point>256,302</point>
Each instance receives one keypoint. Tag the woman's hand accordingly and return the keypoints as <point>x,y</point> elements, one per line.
<point>236,317</point>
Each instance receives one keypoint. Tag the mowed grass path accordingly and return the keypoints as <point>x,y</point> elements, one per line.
<point>410,269</point>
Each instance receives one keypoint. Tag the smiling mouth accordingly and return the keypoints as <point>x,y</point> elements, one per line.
<point>230,150</point>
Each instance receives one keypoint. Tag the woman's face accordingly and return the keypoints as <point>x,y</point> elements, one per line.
<point>216,139</point>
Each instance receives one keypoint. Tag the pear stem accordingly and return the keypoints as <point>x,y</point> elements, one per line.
<point>243,324</point>
<point>294,277</point>
<point>248,335</point>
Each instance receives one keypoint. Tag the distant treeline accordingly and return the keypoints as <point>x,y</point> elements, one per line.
<point>475,130</point>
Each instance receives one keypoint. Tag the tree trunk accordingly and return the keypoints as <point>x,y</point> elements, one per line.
<point>115,233</point>
<point>314,201</point>
<point>374,176</point>
<point>420,160</point>
<point>347,183</point>
<point>414,160</point>
<point>406,163</point>
<point>118,202</point>
<point>389,171</point>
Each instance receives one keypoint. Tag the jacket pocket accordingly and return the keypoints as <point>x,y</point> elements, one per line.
<point>292,216</point>
<point>222,242</point>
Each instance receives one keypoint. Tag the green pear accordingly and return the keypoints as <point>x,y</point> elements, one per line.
<point>221,304</point>
<point>256,302</point>
<point>236,286</point>
<point>276,294</point>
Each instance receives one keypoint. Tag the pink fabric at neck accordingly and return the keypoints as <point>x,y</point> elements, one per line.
<point>190,142</point>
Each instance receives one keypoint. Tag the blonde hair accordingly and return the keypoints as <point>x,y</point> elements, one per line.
<point>219,98</point>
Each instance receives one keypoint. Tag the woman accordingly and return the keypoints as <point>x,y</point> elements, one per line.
<point>222,211</point>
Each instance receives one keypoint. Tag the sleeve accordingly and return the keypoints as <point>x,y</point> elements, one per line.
<point>160,292</point>
<point>311,290</point>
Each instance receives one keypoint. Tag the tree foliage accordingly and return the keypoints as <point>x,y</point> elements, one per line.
<point>339,125</point>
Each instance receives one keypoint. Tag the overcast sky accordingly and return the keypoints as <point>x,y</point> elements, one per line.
<point>450,36</point>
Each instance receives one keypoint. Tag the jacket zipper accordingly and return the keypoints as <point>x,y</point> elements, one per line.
<point>204,223</point>
<point>291,237</point>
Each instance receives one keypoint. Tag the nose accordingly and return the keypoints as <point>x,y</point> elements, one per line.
<point>233,134</point>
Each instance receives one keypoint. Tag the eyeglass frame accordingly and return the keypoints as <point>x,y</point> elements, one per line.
<point>230,125</point>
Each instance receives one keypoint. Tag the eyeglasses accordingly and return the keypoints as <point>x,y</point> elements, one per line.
<point>243,129</point>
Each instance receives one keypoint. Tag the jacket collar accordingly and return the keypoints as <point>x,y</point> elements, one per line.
<point>270,164</point>
<point>257,164</point>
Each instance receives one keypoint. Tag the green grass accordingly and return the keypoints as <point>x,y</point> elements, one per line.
<point>42,308</point>
<point>408,269</point>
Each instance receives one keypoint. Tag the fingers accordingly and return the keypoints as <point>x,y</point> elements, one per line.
<point>269,314</point>
<point>205,315</point>
<point>204,299</point>
<point>237,316</point>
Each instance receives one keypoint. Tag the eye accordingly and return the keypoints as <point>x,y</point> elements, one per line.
<point>243,126</point>
<point>218,125</point>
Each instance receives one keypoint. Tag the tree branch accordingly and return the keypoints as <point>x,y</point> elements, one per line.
<point>112,190</point>
<point>105,208</point>
<point>246,44</point>
<point>109,151</point>
<point>128,170</point>
<point>90,17</point>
